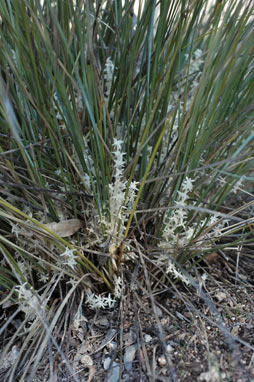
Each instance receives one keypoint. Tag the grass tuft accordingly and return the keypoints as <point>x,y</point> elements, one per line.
<point>116,129</point>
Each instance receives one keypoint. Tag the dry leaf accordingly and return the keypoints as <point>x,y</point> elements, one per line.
<point>221,296</point>
<point>212,257</point>
<point>65,227</point>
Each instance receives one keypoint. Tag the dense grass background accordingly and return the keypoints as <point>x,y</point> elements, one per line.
<point>119,128</point>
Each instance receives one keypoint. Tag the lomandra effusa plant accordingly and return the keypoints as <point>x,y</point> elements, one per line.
<point>120,127</point>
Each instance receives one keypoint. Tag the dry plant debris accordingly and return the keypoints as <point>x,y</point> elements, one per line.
<point>125,343</point>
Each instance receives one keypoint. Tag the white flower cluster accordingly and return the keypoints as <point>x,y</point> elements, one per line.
<point>58,110</point>
<point>99,302</point>
<point>216,231</point>
<point>15,229</point>
<point>177,234</point>
<point>237,186</point>
<point>118,287</point>
<point>9,359</point>
<point>108,73</point>
<point>171,235</point>
<point>195,72</point>
<point>118,200</point>
<point>175,230</point>
<point>176,219</point>
<point>176,100</point>
<point>25,267</point>
<point>171,268</point>
<point>163,260</point>
<point>196,61</point>
<point>69,258</point>
<point>31,305</point>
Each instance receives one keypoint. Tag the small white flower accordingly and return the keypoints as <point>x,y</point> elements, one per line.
<point>118,287</point>
<point>213,219</point>
<point>171,268</point>
<point>69,257</point>
<point>217,231</point>
<point>109,67</point>
<point>189,232</point>
<point>134,186</point>
<point>24,267</point>
<point>15,229</point>
<point>108,73</point>
<point>198,53</point>
<point>181,213</point>
<point>118,144</point>
<point>99,302</point>
<point>187,184</point>
<point>119,164</point>
<point>43,278</point>
<point>110,302</point>
<point>89,297</point>
<point>29,301</point>
<point>237,185</point>
<point>183,196</point>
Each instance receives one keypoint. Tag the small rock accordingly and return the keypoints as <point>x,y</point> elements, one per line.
<point>102,322</point>
<point>106,363</point>
<point>114,372</point>
<point>86,360</point>
<point>157,311</point>
<point>169,348</point>
<point>162,361</point>
<point>220,296</point>
<point>112,345</point>
<point>129,356</point>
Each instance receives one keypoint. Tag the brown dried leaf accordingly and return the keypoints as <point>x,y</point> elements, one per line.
<point>65,227</point>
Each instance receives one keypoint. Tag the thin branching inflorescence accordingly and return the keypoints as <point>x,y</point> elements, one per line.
<point>120,201</point>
